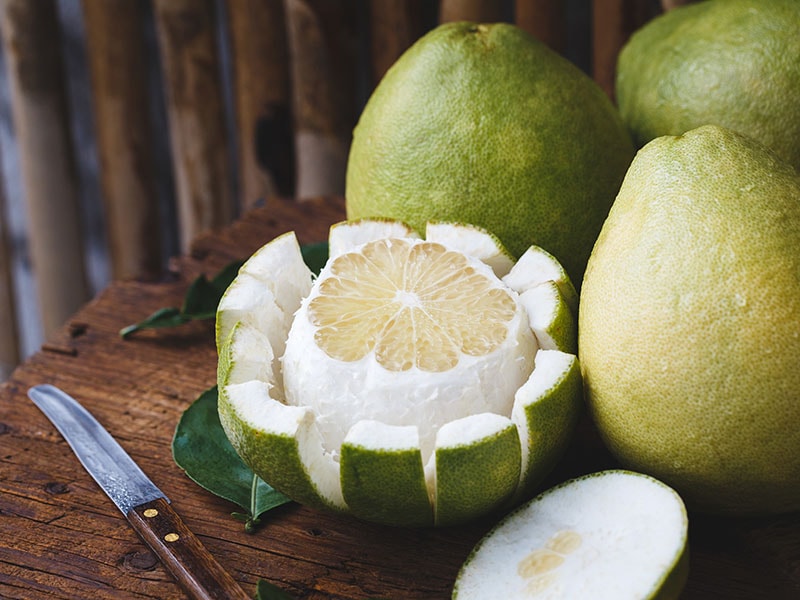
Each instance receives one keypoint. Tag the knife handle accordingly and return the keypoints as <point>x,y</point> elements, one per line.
<point>200,575</point>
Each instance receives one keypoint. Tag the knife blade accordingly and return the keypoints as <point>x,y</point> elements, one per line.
<point>145,506</point>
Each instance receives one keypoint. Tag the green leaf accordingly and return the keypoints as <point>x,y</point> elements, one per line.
<point>199,302</point>
<point>268,591</point>
<point>203,295</point>
<point>315,256</point>
<point>201,448</point>
<point>163,317</point>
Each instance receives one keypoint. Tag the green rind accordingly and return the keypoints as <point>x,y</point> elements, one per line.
<point>550,419</point>
<point>476,478</point>
<point>675,580</point>
<point>273,457</point>
<point>560,331</point>
<point>537,266</point>
<point>385,486</point>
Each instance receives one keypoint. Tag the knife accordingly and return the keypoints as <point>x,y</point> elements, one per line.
<point>145,506</point>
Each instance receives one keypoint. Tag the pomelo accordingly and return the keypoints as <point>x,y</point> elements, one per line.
<point>413,382</point>
<point>734,63</point>
<point>483,124</point>
<point>689,327</point>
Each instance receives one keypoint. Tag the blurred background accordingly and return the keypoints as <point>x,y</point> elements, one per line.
<point>128,127</point>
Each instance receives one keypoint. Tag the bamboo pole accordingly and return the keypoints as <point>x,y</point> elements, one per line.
<point>9,334</point>
<point>262,93</point>
<point>323,63</point>
<point>115,40</point>
<point>545,20</point>
<point>481,11</point>
<point>613,23</point>
<point>195,109</point>
<point>394,26</point>
<point>31,43</point>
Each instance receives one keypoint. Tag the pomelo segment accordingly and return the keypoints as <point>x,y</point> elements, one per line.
<point>613,535</point>
<point>469,426</point>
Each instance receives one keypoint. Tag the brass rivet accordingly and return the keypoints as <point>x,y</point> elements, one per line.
<point>171,537</point>
<point>150,512</point>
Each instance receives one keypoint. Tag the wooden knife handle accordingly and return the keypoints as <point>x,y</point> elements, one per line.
<point>200,575</point>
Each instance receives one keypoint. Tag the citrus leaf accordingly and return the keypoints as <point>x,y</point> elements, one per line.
<point>163,317</point>
<point>315,256</point>
<point>203,295</point>
<point>268,591</point>
<point>201,448</point>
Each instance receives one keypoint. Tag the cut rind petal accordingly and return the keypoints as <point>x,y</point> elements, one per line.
<point>348,235</point>
<point>550,318</point>
<point>546,411</point>
<point>613,535</point>
<point>280,443</point>
<point>246,356</point>
<point>537,266</point>
<point>382,475</point>
<point>476,465</point>
<point>472,241</point>
<point>266,292</point>
<point>280,266</point>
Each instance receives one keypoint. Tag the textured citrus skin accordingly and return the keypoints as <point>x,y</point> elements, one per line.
<point>734,63</point>
<point>483,124</point>
<point>689,322</point>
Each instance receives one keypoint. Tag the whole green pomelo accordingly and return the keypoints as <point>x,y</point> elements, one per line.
<point>689,322</point>
<point>483,124</point>
<point>734,63</point>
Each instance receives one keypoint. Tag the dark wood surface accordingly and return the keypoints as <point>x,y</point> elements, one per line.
<point>60,537</point>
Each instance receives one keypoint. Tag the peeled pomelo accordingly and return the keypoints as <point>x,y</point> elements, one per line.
<point>407,384</point>
<point>615,535</point>
<point>689,328</point>
<point>483,124</point>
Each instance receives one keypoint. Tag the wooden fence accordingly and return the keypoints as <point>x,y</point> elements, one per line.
<point>259,98</point>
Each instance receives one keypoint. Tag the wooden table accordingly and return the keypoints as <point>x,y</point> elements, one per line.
<point>61,537</point>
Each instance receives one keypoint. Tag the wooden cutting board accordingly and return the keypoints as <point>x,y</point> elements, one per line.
<point>60,536</point>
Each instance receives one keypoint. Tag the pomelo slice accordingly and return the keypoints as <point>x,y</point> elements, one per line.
<point>407,388</point>
<point>615,535</point>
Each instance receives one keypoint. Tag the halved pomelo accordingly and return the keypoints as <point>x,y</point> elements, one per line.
<point>615,535</point>
<point>408,383</point>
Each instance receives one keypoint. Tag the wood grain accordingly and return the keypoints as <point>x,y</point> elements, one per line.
<point>62,538</point>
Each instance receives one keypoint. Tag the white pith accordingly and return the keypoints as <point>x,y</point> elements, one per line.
<point>388,416</point>
<point>343,393</point>
<point>613,535</point>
